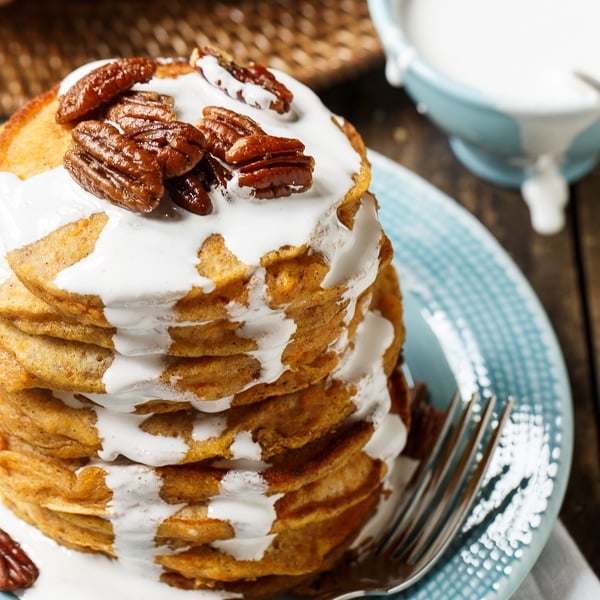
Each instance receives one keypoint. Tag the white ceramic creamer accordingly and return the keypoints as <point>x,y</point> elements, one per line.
<point>524,56</point>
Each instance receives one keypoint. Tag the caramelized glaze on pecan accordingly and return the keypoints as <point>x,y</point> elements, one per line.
<point>178,146</point>
<point>271,166</point>
<point>135,108</point>
<point>107,164</point>
<point>17,570</point>
<point>101,86</point>
<point>223,127</point>
<point>190,192</point>
<point>252,74</point>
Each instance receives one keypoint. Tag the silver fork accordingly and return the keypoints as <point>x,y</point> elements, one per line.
<point>432,510</point>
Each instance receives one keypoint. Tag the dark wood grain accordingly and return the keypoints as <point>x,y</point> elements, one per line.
<point>563,269</point>
<point>588,222</point>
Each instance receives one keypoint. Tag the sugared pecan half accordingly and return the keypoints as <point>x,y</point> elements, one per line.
<point>135,108</point>
<point>216,172</point>
<point>101,86</point>
<point>272,166</point>
<point>178,146</point>
<point>107,164</point>
<point>223,127</point>
<point>190,192</point>
<point>279,97</point>
<point>255,147</point>
<point>17,570</point>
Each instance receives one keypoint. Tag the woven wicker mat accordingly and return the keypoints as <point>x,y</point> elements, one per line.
<point>320,43</point>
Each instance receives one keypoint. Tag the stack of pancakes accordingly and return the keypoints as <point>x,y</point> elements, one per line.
<point>231,428</point>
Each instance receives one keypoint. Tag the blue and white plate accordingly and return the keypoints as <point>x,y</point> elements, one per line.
<point>474,322</point>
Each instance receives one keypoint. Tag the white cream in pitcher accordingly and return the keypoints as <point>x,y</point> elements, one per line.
<point>524,52</point>
<point>525,55</point>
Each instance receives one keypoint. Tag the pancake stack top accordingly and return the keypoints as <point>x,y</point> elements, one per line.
<point>199,324</point>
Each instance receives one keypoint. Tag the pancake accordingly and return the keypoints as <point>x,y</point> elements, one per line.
<point>200,325</point>
<point>75,427</point>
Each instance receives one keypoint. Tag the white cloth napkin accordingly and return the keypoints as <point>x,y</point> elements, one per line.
<point>561,572</point>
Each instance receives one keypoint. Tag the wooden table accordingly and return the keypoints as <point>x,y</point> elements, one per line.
<point>563,269</point>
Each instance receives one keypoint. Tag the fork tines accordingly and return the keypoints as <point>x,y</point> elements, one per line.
<point>442,490</point>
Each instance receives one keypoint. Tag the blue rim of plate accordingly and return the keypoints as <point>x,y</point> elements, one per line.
<point>467,302</point>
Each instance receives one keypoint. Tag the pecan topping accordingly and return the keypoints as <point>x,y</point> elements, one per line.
<point>253,147</point>
<point>272,166</point>
<point>150,150</point>
<point>107,164</point>
<point>135,108</point>
<point>190,192</point>
<point>178,146</point>
<point>252,74</point>
<point>17,570</point>
<point>223,127</point>
<point>101,86</point>
<point>216,172</point>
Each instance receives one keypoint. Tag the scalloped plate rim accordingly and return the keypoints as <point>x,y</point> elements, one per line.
<point>385,167</point>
